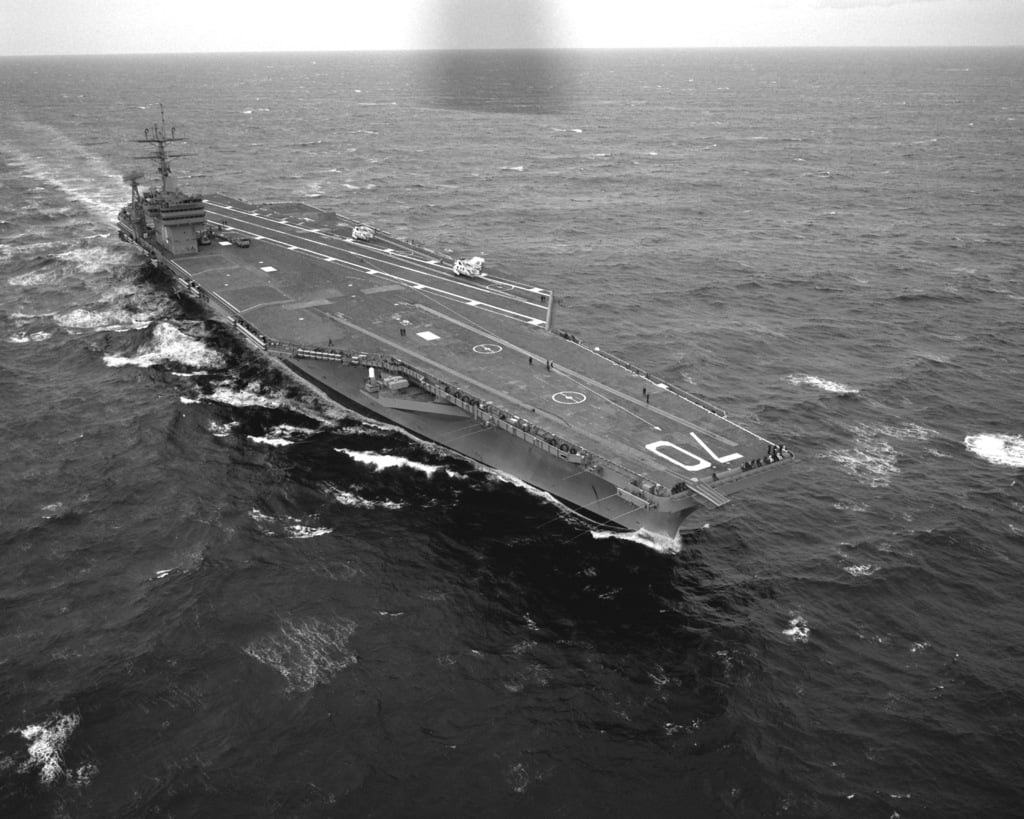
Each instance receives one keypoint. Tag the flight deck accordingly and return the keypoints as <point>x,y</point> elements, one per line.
<point>462,356</point>
<point>304,282</point>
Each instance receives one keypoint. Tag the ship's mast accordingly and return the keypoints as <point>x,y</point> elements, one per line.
<point>157,135</point>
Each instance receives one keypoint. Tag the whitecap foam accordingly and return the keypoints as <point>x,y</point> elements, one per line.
<point>299,531</point>
<point>652,540</point>
<point>346,498</point>
<point>518,777</point>
<point>861,570</point>
<point>305,652</point>
<point>289,526</point>
<point>53,510</point>
<point>218,429</point>
<point>267,440</point>
<point>281,435</point>
<point>996,448</point>
<point>169,344</point>
<point>822,384</point>
<point>112,321</point>
<point>379,461</point>
<point>248,397</point>
<point>261,518</point>
<point>96,259</point>
<point>25,338</point>
<point>47,742</point>
<point>798,630</point>
<point>33,279</point>
<point>871,461</point>
<point>910,431</point>
<point>9,251</point>
<point>845,506</point>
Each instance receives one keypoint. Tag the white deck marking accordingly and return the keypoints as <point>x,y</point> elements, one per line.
<point>568,397</point>
<point>722,459</point>
<point>426,335</point>
<point>698,463</point>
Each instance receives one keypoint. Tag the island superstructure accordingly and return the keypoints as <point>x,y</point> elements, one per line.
<point>447,349</point>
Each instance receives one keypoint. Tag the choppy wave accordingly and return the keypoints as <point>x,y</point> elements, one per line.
<point>346,497</point>
<point>222,429</point>
<point>25,338</point>
<point>906,432</point>
<point>106,320</point>
<point>871,461</point>
<point>10,250</point>
<point>96,259</point>
<point>860,570</point>
<point>306,652</point>
<point>797,629</point>
<point>999,449</point>
<point>34,279</point>
<point>253,395</point>
<point>287,525</point>
<point>282,435</point>
<point>168,344</point>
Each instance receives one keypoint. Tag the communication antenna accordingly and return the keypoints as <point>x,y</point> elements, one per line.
<point>157,135</point>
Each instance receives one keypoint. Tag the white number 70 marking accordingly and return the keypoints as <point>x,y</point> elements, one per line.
<point>694,462</point>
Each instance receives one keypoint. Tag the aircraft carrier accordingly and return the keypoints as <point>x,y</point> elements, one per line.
<point>448,350</point>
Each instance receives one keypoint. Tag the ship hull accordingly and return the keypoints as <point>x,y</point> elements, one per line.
<point>582,491</point>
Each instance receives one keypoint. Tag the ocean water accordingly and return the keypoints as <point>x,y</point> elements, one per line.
<point>222,597</point>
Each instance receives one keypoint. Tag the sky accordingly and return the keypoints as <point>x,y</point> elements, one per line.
<point>44,27</point>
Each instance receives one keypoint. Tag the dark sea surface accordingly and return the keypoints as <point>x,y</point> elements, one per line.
<point>206,610</point>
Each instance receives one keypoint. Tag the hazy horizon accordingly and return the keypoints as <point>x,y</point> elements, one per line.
<point>123,27</point>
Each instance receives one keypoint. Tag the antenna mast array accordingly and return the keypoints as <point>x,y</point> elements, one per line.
<point>157,135</point>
